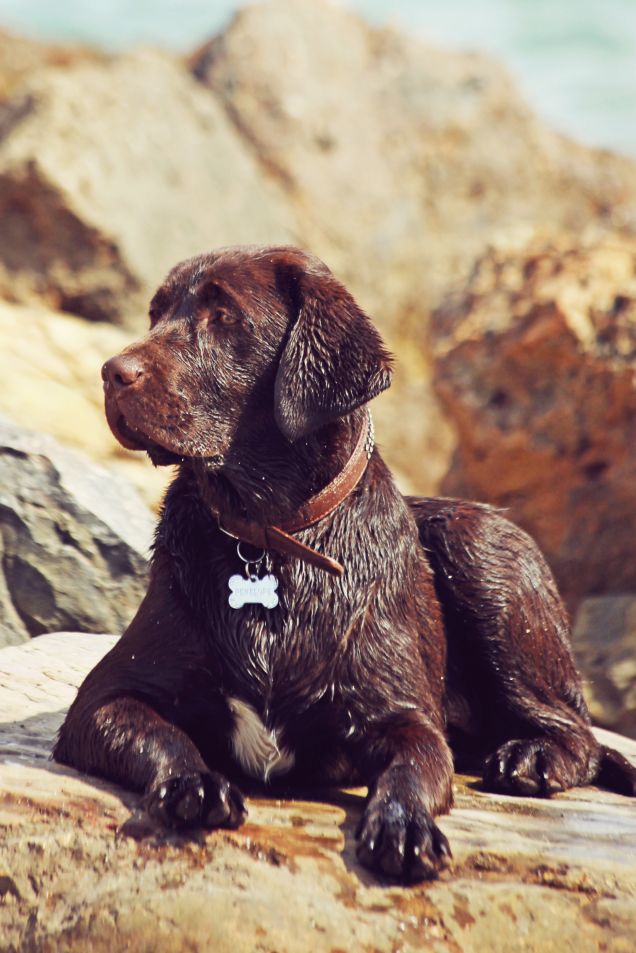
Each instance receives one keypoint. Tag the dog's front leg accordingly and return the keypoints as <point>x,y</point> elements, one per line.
<point>150,716</point>
<point>126,741</point>
<point>397,835</point>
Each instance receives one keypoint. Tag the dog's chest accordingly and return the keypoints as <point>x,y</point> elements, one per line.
<point>280,650</point>
<point>274,661</point>
<point>256,747</point>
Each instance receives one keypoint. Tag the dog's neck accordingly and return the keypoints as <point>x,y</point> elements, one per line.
<point>271,480</point>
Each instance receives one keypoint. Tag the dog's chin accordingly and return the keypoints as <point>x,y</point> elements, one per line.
<point>161,457</point>
<point>132,438</point>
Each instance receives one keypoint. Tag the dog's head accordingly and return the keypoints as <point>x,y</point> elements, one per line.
<point>243,341</point>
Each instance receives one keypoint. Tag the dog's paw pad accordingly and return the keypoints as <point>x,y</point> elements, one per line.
<point>199,799</point>
<point>401,844</point>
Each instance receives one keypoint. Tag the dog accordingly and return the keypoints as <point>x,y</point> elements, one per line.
<point>305,623</point>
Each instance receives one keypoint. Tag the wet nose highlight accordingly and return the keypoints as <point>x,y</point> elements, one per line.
<point>122,371</point>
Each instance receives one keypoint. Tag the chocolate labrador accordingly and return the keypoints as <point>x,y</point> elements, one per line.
<point>304,621</point>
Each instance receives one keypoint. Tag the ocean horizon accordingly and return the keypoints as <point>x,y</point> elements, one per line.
<point>574,61</point>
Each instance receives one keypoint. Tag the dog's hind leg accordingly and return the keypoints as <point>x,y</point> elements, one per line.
<point>509,658</point>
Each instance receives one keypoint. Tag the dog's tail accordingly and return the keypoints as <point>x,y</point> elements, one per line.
<point>615,772</point>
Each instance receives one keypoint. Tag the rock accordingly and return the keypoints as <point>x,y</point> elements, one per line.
<point>378,151</point>
<point>535,364</point>
<point>74,540</point>
<point>20,57</point>
<point>395,164</point>
<point>529,875</point>
<point>402,162</point>
<point>51,381</point>
<point>604,642</point>
<point>112,172</point>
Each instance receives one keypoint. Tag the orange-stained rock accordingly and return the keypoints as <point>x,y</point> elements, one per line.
<point>535,366</point>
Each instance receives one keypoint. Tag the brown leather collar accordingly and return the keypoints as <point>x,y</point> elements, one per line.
<point>312,511</point>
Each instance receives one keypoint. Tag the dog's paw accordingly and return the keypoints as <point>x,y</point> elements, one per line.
<point>534,767</point>
<point>401,843</point>
<point>200,799</point>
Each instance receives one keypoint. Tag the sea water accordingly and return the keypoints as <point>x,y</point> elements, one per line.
<point>574,59</point>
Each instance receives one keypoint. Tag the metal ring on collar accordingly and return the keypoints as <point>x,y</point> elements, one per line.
<point>247,561</point>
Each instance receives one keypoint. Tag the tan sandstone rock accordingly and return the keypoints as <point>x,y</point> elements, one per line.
<point>110,173</point>
<point>535,367</point>
<point>555,876</point>
<point>402,159</point>
<point>51,382</point>
<point>21,56</point>
<point>402,162</point>
<point>395,161</point>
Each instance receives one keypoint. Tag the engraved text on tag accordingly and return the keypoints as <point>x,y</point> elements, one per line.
<point>253,590</point>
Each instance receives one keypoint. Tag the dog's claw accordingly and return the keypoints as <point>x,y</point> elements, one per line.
<point>200,799</point>
<point>530,768</point>
<point>401,844</point>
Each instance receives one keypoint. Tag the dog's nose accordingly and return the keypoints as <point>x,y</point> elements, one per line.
<point>122,371</point>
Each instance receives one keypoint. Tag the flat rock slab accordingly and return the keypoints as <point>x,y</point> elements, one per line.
<point>528,875</point>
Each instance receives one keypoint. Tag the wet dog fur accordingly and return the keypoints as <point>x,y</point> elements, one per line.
<point>446,628</point>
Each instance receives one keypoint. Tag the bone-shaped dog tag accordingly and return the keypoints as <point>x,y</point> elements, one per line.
<point>253,590</point>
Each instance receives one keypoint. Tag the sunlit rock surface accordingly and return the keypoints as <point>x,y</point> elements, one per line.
<point>528,875</point>
<point>110,173</point>
<point>395,161</point>
<point>51,382</point>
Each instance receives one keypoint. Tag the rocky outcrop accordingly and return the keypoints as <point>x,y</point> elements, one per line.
<point>74,540</point>
<point>378,151</point>
<point>20,57</point>
<point>402,162</point>
<point>528,875</point>
<point>396,165</point>
<point>392,169</point>
<point>604,642</point>
<point>110,173</point>
<point>535,366</point>
<point>51,382</point>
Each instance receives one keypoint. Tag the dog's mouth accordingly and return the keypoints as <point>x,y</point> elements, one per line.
<point>134,439</point>
<point>137,426</point>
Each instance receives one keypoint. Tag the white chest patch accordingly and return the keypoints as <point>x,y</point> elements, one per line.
<point>255,746</point>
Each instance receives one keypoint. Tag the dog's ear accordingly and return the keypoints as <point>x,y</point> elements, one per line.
<point>334,360</point>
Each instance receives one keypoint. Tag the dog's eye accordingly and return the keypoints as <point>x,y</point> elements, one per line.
<point>224,317</point>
